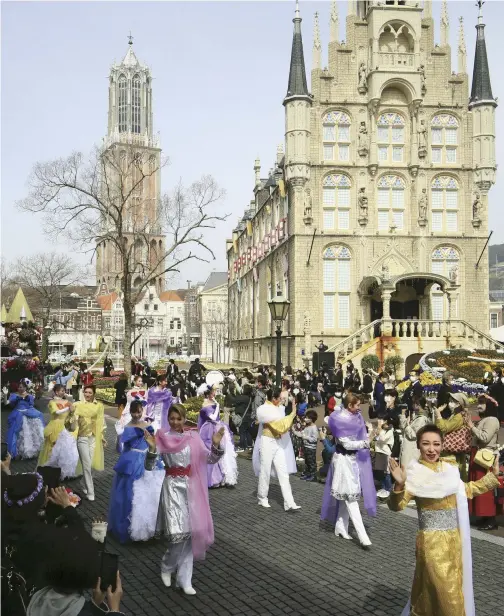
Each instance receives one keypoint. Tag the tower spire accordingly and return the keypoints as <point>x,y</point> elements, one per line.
<point>317,45</point>
<point>462,50</point>
<point>481,91</point>
<point>297,75</point>
<point>334,22</point>
<point>445,25</point>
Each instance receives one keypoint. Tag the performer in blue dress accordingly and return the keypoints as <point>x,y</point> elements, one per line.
<point>25,433</point>
<point>134,500</point>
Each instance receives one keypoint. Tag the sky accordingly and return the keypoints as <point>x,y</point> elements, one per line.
<point>220,75</point>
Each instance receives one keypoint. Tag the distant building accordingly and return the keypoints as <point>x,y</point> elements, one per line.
<point>213,311</point>
<point>192,315</point>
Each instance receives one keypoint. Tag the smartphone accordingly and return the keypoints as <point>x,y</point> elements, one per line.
<point>4,451</point>
<point>108,570</point>
<point>51,475</point>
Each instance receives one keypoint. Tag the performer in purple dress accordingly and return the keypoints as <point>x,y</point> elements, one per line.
<point>159,400</point>
<point>350,472</point>
<point>225,472</point>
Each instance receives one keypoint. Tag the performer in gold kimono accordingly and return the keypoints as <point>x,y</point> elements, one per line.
<point>442,585</point>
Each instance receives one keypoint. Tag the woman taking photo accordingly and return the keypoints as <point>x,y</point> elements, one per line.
<point>442,584</point>
<point>184,515</point>
<point>89,419</point>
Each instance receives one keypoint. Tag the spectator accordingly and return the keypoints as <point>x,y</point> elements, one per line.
<point>384,443</point>
<point>310,436</point>
<point>496,392</point>
<point>120,396</point>
<point>414,391</point>
<point>243,408</point>
<point>379,395</point>
<point>108,366</point>
<point>410,427</point>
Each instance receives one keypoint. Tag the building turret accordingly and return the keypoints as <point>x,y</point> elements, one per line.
<point>482,104</point>
<point>297,112</point>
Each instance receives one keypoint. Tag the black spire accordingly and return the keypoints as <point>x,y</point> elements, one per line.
<point>481,91</point>
<point>297,74</point>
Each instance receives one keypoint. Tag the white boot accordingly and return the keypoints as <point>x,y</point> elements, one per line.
<point>166,577</point>
<point>189,590</point>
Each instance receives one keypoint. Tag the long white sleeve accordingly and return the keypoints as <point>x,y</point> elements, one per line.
<point>352,445</point>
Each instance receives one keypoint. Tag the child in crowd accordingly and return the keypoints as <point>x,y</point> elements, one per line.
<point>384,442</point>
<point>310,437</point>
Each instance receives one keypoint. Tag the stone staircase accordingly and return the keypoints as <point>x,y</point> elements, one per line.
<point>418,335</point>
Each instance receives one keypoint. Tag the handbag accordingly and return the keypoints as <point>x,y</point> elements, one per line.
<point>237,419</point>
<point>484,458</point>
<point>458,441</point>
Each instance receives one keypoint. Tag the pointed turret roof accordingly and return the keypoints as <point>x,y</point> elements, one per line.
<point>297,74</point>
<point>130,59</point>
<point>481,91</point>
<point>19,307</point>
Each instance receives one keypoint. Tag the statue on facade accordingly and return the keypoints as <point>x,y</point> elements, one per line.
<point>307,215</point>
<point>363,205</point>
<point>453,274</point>
<point>423,86</point>
<point>423,204</point>
<point>422,140</point>
<point>477,208</point>
<point>363,139</point>
<point>385,273</point>
<point>362,87</point>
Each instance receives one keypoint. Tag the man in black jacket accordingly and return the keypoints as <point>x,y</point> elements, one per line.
<point>414,391</point>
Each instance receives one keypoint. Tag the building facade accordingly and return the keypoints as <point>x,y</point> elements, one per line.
<point>372,222</point>
<point>213,311</point>
<point>132,179</point>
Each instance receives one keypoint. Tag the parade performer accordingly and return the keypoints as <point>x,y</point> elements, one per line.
<point>89,418</point>
<point>224,472</point>
<point>159,400</point>
<point>60,444</point>
<point>184,515</point>
<point>442,584</point>
<point>350,472</point>
<point>134,501</point>
<point>25,432</point>
<point>273,451</point>
<point>137,392</point>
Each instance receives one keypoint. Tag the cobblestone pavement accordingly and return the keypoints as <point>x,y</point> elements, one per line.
<point>266,561</point>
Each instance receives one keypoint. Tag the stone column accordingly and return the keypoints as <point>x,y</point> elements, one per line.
<point>387,323</point>
<point>452,299</point>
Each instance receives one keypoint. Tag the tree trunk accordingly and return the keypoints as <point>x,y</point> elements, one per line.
<point>128,321</point>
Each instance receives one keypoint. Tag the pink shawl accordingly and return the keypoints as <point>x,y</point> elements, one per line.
<point>202,531</point>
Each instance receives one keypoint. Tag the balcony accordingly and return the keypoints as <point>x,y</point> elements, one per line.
<point>388,59</point>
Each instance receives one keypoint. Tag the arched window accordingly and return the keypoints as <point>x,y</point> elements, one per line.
<point>336,287</point>
<point>336,202</point>
<point>123,104</point>
<point>390,203</point>
<point>444,139</point>
<point>444,261</point>
<point>336,136</point>
<point>390,138</point>
<point>135,105</point>
<point>444,203</point>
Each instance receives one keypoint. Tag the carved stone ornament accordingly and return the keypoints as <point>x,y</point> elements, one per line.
<point>372,168</point>
<point>362,87</point>
<point>363,207</point>
<point>476,211</point>
<point>306,323</point>
<point>423,204</point>
<point>422,140</point>
<point>453,274</point>
<point>307,214</point>
<point>363,140</point>
<point>421,70</point>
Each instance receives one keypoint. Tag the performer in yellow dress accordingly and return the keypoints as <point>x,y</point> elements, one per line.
<point>442,585</point>
<point>60,444</point>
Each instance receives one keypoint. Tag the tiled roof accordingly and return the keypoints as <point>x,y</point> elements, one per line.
<point>107,301</point>
<point>297,74</point>
<point>481,91</point>
<point>170,296</point>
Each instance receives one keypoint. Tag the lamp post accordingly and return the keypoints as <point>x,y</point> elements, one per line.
<point>279,308</point>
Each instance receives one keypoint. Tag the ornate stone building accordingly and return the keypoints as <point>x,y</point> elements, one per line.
<point>132,180</point>
<point>374,219</point>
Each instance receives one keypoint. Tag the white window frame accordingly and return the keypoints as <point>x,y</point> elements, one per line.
<point>334,210</point>
<point>444,124</point>
<point>336,286</point>
<point>492,316</point>
<point>391,185</point>
<point>391,151</point>
<point>443,213</point>
<point>336,149</point>
<point>443,258</point>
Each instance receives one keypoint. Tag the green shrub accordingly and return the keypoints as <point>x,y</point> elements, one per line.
<point>370,362</point>
<point>393,363</point>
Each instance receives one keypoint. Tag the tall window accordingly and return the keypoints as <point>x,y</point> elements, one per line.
<point>336,287</point>
<point>444,139</point>
<point>494,320</point>
<point>444,204</point>
<point>336,202</point>
<point>135,105</point>
<point>444,261</point>
<point>123,104</point>
<point>390,138</point>
<point>336,136</point>
<point>390,203</point>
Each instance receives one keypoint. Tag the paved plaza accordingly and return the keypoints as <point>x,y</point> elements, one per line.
<point>266,561</point>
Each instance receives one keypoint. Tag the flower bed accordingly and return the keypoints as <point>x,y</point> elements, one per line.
<point>465,364</point>
<point>106,394</point>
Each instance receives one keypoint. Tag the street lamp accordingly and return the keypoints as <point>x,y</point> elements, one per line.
<point>279,309</point>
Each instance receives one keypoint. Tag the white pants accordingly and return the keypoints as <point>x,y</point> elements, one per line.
<point>179,557</point>
<point>86,447</point>
<point>346,510</point>
<point>273,455</point>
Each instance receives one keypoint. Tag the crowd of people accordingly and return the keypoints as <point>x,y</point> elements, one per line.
<point>415,450</point>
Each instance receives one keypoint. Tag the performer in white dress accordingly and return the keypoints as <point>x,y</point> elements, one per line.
<point>273,451</point>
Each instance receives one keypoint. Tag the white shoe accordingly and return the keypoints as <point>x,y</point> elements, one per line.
<point>189,590</point>
<point>385,494</point>
<point>166,577</point>
<point>90,498</point>
<point>293,507</point>
<point>342,534</point>
<point>264,503</point>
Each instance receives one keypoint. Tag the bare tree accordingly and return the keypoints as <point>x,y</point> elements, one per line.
<point>7,288</point>
<point>215,323</point>
<point>43,278</point>
<point>107,201</point>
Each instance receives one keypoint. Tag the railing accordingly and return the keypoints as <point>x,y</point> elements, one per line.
<point>456,331</point>
<point>396,59</point>
<point>141,139</point>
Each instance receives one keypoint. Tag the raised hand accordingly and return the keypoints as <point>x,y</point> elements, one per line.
<point>59,496</point>
<point>217,437</point>
<point>398,473</point>
<point>151,440</point>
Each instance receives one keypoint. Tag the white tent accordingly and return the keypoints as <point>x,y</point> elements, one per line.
<point>497,333</point>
